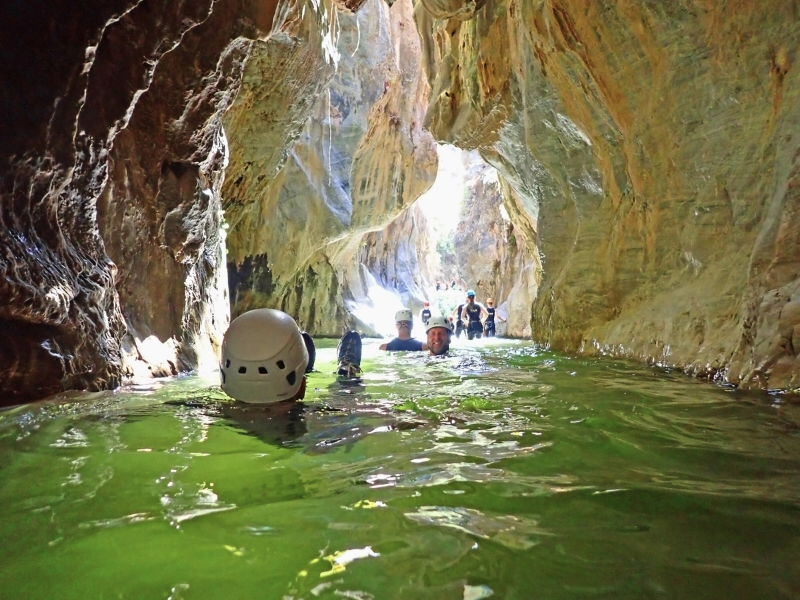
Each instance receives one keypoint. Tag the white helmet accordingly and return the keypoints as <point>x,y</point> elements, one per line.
<point>437,321</point>
<point>264,357</point>
<point>403,315</point>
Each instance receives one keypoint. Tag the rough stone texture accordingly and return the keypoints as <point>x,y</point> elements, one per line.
<point>295,221</point>
<point>399,258</point>
<point>495,257</point>
<point>112,163</point>
<point>451,9</point>
<point>349,5</point>
<point>160,211</point>
<point>653,148</point>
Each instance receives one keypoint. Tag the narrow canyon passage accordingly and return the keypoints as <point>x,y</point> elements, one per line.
<point>165,169</point>
<point>621,176</point>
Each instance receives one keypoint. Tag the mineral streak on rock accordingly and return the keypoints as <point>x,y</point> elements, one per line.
<point>297,211</point>
<point>654,148</point>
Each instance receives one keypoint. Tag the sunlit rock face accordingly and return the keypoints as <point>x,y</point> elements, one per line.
<point>113,158</point>
<point>496,258</point>
<point>400,259</point>
<point>295,219</point>
<point>652,147</point>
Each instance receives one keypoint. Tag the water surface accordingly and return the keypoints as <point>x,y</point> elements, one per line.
<point>501,471</point>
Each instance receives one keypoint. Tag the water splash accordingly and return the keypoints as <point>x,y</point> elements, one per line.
<point>377,308</point>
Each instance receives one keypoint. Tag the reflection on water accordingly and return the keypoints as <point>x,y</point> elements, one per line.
<point>499,471</point>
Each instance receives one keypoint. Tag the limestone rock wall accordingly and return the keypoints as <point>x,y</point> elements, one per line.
<point>112,163</point>
<point>296,218</point>
<point>652,148</point>
<point>495,257</point>
<point>159,213</point>
<point>401,259</point>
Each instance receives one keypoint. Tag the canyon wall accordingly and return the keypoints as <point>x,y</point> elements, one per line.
<point>647,155</point>
<point>652,150</point>
<point>112,165</point>
<point>296,213</point>
<point>115,202</point>
<point>496,257</point>
<point>400,258</point>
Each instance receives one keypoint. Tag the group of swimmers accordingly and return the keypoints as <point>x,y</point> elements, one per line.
<point>471,317</point>
<point>475,319</point>
<point>265,356</point>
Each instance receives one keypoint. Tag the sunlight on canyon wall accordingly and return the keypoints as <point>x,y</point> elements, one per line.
<point>651,150</point>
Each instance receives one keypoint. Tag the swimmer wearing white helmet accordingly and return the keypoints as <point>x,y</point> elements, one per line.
<point>439,332</point>
<point>404,321</point>
<point>265,357</point>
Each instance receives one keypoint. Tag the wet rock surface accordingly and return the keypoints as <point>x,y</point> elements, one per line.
<point>298,206</point>
<point>497,255</point>
<point>112,163</point>
<point>400,258</point>
<point>652,149</point>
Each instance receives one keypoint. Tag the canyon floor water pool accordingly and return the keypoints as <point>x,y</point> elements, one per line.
<point>502,471</point>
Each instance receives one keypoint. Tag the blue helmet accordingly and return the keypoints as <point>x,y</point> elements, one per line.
<point>470,293</point>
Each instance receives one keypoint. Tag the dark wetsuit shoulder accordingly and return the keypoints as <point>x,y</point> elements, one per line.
<point>397,345</point>
<point>491,314</point>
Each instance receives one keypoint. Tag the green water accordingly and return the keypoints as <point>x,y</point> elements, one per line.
<point>501,471</point>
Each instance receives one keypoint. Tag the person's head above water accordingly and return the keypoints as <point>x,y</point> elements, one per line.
<point>470,296</point>
<point>438,330</point>
<point>264,358</point>
<point>489,301</point>
<point>404,321</point>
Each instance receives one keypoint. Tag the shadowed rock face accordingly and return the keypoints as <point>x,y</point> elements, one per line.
<point>652,148</point>
<point>61,316</point>
<point>112,164</point>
